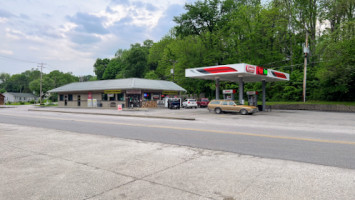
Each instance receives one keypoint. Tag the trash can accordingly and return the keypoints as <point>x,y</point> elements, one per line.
<point>260,107</point>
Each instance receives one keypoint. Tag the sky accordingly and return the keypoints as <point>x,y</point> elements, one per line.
<point>69,35</point>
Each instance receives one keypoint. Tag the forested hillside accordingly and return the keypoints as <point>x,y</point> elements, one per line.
<point>216,32</point>
<point>213,32</point>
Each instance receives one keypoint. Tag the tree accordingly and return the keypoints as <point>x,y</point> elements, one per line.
<point>60,78</point>
<point>337,73</point>
<point>136,61</point>
<point>113,68</point>
<point>47,84</point>
<point>17,83</point>
<point>4,77</point>
<point>100,66</point>
<point>202,16</point>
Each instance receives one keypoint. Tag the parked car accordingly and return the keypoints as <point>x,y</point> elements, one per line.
<point>174,103</point>
<point>189,103</point>
<point>219,106</point>
<point>203,103</point>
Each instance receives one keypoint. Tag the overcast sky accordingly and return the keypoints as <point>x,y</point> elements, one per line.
<point>68,35</point>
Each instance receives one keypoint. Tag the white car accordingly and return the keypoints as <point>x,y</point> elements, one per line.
<point>189,103</point>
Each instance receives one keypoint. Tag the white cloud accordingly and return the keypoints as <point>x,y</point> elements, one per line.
<point>69,35</point>
<point>6,52</point>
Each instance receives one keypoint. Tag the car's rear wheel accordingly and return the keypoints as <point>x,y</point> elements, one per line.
<point>218,111</point>
<point>243,112</point>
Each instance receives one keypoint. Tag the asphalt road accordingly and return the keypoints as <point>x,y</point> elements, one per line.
<point>324,146</point>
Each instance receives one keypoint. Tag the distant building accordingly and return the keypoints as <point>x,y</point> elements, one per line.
<point>2,99</point>
<point>19,97</point>
<point>130,92</point>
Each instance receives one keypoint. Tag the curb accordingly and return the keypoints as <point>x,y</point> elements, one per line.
<point>315,107</point>
<point>118,115</point>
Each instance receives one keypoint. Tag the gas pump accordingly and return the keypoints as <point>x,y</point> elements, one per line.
<point>252,98</point>
<point>228,94</point>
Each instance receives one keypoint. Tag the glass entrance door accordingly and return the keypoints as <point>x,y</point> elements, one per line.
<point>79,103</point>
<point>133,100</point>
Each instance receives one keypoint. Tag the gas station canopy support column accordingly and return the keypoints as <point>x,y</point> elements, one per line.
<point>217,88</point>
<point>264,94</point>
<point>241,73</point>
<point>241,91</point>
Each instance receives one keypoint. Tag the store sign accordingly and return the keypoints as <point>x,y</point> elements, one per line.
<point>89,95</point>
<point>112,91</point>
<point>261,71</point>
<point>156,96</point>
<point>133,91</point>
<point>252,93</point>
<point>250,68</point>
<point>170,92</point>
<point>229,91</point>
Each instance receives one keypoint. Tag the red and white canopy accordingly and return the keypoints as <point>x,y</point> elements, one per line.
<point>234,72</point>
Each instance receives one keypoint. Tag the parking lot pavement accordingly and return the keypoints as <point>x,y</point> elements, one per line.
<point>38,163</point>
<point>335,122</point>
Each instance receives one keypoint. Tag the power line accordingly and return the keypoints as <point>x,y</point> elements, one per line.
<point>300,64</point>
<point>25,61</point>
<point>17,59</point>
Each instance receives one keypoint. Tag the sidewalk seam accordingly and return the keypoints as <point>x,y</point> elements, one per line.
<point>118,115</point>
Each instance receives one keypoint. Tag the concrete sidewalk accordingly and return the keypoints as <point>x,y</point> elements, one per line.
<point>37,163</point>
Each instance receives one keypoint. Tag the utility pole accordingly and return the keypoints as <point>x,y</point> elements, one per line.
<point>306,51</point>
<point>40,86</point>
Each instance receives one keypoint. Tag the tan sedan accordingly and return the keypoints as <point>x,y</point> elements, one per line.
<point>219,106</point>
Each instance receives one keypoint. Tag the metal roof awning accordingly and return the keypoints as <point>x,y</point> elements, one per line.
<point>235,72</point>
<point>125,84</point>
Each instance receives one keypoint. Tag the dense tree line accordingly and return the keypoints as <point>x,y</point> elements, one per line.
<point>213,32</point>
<point>29,81</point>
<point>216,32</point>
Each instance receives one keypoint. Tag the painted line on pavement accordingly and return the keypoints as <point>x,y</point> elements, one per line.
<point>193,129</point>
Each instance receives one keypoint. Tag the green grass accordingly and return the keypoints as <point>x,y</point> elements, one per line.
<point>349,103</point>
<point>18,103</point>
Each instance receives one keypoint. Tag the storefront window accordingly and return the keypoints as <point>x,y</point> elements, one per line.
<point>104,97</point>
<point>112,97</point>
<point>61,97</point>
<point>120,97</point>
<point>156,96</point>
<point>147,96</point>
<point>70,97</point>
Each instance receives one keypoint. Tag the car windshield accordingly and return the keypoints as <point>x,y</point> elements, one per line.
<point>205,100</point>
<point>192,100</point>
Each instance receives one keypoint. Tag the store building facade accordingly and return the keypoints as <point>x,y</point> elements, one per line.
<point>131,92</point>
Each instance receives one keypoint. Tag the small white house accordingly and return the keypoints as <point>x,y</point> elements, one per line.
<point>19,97</point>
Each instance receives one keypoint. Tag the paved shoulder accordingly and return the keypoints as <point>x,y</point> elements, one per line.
<point>37,163</point>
